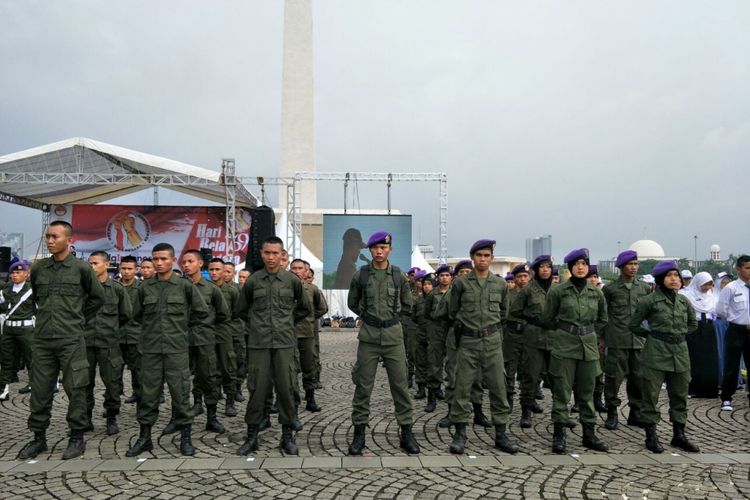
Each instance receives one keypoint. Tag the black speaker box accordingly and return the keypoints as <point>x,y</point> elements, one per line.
<point>263,225</point>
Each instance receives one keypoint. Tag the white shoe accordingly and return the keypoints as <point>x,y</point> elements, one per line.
<point>6,393</point>
<point>726,406</point>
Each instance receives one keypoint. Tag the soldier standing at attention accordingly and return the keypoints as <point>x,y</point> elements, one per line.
<point>67,296</point>
<point>225,355</point>
<point>593,279</point>
<point>238,335</point>
<point>379,294</point>
<point>409,324</point>
<point>17,312</point>
<point>514,338</point>
<point>147,269</point>
<point>271,302</point>
<point>477,307</point>
<point>665,356</point>
<point>130,333</point>
<point>624,349</point>
<point>437,329</point>
<point>415,328</point>
<point>242,277</point>
<point>574,312</point>
<point>102,337</point>
<point>168,308</point>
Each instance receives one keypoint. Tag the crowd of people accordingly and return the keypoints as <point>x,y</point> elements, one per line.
<point>456,334</point>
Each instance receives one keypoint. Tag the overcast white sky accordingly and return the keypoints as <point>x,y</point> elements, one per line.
<point>594,121</point>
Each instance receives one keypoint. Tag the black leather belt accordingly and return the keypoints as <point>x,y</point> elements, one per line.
<point>478,334</point>
<point>705,317</point>
<point>670,338</point>
<point>574,329</point>
<point>379,323</point>
<point>514,326</point>
<point>741,327</point>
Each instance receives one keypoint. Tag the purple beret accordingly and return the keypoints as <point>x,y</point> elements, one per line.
<point>413,270</point>
<point>426,276</point>
<point>464,264</point>
<point>482,244</point>
<point>663,267</point>
<point>380,238</point>
<point>555,271</point>
<point>445,268</point>
<point>593,270</point>
<point>625,257</point>
<point>520,268</point>
<point>578,253</point>
<point>508,277</point>
<point>19,264</point>
<point>539,260</point>
<point>419,275</point>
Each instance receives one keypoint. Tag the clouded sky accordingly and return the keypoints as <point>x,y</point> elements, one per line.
<point>593,121</point>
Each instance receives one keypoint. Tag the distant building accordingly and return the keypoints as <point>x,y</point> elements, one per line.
<point>646,250</point>
<point>715,251</point>
<point>541,245</point>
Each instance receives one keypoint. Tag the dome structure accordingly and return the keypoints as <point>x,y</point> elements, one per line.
<point>647,249</point>
<point>715,248</point>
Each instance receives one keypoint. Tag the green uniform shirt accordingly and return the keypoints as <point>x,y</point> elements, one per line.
<point>225,331</point>
<point>238,326</point>
<point>432,304</point>
<point>104,329</point>
<point>478,303</point>
<point>67,295</point>
<point>622,299</point>
<point>167,311</point>
<point>418,310</point>
<point>25,311</point>
<point>580,308</point>
<point>218,314</point>
<point>306,327</point>
<point>527,308</point>
<point>271,305</point>
<point>384,303</point>
<point>131,331</point>
<point>664,316</point>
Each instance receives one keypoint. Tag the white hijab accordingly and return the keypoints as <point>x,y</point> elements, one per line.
<point>701,302</point>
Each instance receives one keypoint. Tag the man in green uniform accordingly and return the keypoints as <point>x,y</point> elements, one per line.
<point>168,309</point>
<point>437,329</point>
<point>102,337</point>
<point>574,312</point>
<point>17,312</point>
<point>238,335</point>
<point>514,338</point>
<point>225,355</point>
<point>416,326</point>
<point>593,279</point>
<point>665,356</point>
<point>271,302</point>
<point>316,330</point>
<point>623,347</point>
<point>211,353</point>
<point>410,326</point>
<point>148,270</point>
<point>477,308</point>
<point>379,294</point>
<point>67,296</point>
<point>131,331</point>
<point>305,331</point>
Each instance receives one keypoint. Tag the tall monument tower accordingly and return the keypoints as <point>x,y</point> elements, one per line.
<point>297,110</point>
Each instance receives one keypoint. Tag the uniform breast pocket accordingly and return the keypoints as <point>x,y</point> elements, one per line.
<point>150,304</point>
<point>495,298</point>
<point>286,297</point>
<point>69,287</point>
<point>176,305</point>
<point>109,309</point>
<point>739,302</point>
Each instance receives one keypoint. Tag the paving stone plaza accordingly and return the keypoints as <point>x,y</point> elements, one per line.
<point>322,470</point>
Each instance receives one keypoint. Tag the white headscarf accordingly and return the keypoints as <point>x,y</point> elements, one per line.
<point>702,302</point>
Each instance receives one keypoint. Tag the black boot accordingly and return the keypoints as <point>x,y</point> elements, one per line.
<point>25,389</point>
<point>34,447</point>
<point>611,422</point>
<point>445,422</point>
<point>558,439</point>
<point>197,406</point>
<point>131,400</point>
<point>407,441</point>
<point>89,421</point>
<point>439,394</point>
<point>251,442</point>
<point>76,446</point>
<point>479,416</point>
<point>186,443</point>
<point>112,427</point>
<point>570,424</point>
<point>431,401</point>
<point>410,380</point>
<point>311,404</point>
<point>230,410</point>
<point>287,441</point>
<point>296,425</point>
<point>538,392</point>
<point>599,405</point>
<point>459,440</point>
<point>634,417</point>
<point>590,440</point>
<point>525,417</point>
<point>265,423</point>
<point>358,441</point>
<point>502,442</point>
<point>238,396</point>
<point>680,440</point>
<point>212,421</point>
<point>143,443</point>
<point>171,427</point>
<point>652,439</point>
<point>421,394</point>
<point>536,408</point>
<point>575,408</point>
<point>509,397</point>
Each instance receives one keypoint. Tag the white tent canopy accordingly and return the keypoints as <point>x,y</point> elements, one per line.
<point>81,170</point>
<point>418,260</point>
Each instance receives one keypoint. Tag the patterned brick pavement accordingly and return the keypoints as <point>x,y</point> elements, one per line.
<point>721,470</point>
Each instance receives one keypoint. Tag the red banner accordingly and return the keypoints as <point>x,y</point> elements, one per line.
<point>122,230</point>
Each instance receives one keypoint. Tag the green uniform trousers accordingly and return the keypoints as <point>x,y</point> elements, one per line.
<point>268,369</point>
<point>226,361</point>
<point>436,355</point>
<point>536,365</point>
<point>569,373</point>
<point>677,390</point>
<point>306,348</point>
<point>156,369</point>
<point>619,362</point>
<point>421,357</point>
<point>15,339</point>
<point>409,329</point>
<point>316,351</point>
<point>485,355</point>
<point>240,353</point>
<point>132,358</point>
<point>599,384</point>
<point>110,364</point>
<point>50,356</point>
<point>513,354</point>
<point>450,371</point>
<point>363,376</point>
<point>206,378</point>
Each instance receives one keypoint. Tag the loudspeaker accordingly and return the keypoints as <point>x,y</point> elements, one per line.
<point>262,226</point>
<point>5,258</point>
<point>207,254</point>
